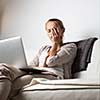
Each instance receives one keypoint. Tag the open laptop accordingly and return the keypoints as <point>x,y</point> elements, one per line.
<point>12,52</point>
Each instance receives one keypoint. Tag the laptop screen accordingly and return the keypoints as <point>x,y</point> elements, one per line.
<point>12,52</point>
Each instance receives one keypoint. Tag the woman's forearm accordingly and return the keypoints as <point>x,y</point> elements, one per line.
<point>53,50</point>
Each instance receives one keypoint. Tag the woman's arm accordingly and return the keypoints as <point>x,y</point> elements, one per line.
<point>53,50</point>
<point>35,61</point>
<point>66,54</point>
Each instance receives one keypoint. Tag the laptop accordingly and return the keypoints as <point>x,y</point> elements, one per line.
<point>12,52</point>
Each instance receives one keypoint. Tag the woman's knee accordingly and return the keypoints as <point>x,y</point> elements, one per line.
<point>5,88</point>
<point>22,81</point>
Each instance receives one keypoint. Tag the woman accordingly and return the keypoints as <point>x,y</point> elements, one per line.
<point>58,57</point>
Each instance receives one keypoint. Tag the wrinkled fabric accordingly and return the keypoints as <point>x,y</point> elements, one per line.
<point>7,75</point>
<point>59,64</point>
<point>5,88</point>
<point>9,72</point>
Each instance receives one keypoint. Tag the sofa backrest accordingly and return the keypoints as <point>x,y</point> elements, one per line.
<point>93,69</point>
<point>83,56</point>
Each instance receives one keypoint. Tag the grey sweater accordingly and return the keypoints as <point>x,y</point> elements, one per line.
<point>60,64</point>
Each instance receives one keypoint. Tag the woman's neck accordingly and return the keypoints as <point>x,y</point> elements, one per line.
<point>54,48</point>
<point>57,46</point>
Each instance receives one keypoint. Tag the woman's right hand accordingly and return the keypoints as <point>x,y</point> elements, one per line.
<point>56,38</point>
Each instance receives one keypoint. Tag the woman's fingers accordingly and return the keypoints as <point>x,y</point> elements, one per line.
<point>55,32</point>
<point>5,72</point>
<point>3,64</point>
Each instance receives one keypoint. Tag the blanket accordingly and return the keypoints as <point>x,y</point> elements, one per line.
<point>45,84</point>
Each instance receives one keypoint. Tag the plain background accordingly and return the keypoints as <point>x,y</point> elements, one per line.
<point>26,18</point>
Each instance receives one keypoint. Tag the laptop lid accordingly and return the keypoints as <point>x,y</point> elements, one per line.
<point>12,52</point>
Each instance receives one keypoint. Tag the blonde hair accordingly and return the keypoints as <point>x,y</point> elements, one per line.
<point>58,22</point>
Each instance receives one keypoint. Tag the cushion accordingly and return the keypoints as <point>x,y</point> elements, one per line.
<point>83,56</point>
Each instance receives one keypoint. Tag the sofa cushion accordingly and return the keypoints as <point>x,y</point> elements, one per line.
<point>83,57</point>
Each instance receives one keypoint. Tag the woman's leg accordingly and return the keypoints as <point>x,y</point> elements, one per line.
<point>5,88</point>
<point>7,76</point>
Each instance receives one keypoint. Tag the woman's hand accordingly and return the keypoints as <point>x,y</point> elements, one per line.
<point>56,38</point>
<point>4,64</point>
<point>6,71</point>
<point>56,41</point>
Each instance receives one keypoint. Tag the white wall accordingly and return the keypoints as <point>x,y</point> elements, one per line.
<point>2,5</point>
<point>27,17</point>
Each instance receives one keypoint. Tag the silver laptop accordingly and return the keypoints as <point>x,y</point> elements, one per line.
<point>12,52</point>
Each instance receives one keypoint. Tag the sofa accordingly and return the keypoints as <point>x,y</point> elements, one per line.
<point>84,85</point>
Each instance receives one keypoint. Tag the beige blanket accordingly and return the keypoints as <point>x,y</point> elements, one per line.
<point>41,83</point>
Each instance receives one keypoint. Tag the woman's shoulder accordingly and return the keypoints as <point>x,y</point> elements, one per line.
<point>44,47</point>
<point>70,47</point>
<point>69,44</point>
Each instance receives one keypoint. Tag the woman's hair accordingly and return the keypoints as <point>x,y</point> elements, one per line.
<point>58,22</point>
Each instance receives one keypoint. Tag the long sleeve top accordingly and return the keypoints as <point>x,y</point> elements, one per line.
<point>59,64</point>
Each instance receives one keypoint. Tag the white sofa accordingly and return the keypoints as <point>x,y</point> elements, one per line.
<point>93,69</point>
<point>88,81</point>
<point>91,77</point>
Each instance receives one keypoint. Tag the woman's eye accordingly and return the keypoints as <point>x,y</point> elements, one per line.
<point>48,30</point>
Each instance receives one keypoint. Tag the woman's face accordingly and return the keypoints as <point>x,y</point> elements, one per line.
<point>55,32</point>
